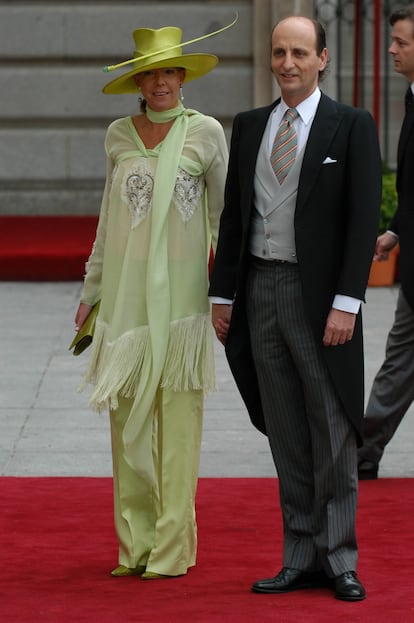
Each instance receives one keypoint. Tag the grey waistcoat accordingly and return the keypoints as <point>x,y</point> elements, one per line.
<point>272,232</point>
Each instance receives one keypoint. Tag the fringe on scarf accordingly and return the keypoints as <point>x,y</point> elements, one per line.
<point>114,367</point>
<point>190,355</point>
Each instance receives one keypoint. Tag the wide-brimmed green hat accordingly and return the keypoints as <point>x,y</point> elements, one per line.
<point>157,48</point>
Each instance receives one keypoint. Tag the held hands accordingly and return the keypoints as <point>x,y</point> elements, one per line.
<point>81,315</point>
<point>220,317</point>
<point>339,327</point>
<point>384,244</point>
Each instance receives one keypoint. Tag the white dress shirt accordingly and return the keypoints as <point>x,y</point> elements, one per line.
<point>302,124</point>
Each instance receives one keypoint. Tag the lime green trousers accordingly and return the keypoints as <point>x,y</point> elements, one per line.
<point>155,517</point>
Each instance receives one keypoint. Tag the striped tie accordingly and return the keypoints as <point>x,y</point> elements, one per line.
<point>284,147</point>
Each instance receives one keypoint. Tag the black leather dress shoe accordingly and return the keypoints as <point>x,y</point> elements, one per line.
<point>367,470</point>
<point>290,580</point>
<point>348,587</point>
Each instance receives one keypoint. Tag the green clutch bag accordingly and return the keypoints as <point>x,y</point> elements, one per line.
<point>84,336</point>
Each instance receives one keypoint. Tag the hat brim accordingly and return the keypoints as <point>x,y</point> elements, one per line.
<point>196,65</point>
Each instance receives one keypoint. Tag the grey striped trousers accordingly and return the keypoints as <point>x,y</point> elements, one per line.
<point>312,441</point>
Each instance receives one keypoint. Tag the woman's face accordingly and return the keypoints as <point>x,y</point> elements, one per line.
<point>161,87</point>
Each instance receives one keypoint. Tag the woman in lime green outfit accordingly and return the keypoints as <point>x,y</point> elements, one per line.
<point>152,358</point>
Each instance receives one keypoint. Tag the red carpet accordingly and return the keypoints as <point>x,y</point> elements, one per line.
<point>57,547</point>
<point>45,248</point>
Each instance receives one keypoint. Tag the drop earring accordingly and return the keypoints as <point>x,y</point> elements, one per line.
<point>181,94</point>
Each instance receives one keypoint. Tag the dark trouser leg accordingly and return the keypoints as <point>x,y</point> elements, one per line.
<point>393,388</point>
<point>312,442</point>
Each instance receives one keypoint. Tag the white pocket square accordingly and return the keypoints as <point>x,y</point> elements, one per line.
<point>329,160</point>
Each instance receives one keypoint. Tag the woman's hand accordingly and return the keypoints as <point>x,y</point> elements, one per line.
<point>81,315</point>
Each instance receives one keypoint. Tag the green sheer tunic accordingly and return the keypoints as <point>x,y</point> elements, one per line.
<point>149,264</point>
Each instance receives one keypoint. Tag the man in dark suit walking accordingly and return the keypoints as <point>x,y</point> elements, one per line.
<point>393,389</point>
<point>296,241</point>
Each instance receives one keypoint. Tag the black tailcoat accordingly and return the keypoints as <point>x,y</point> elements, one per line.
<point>336,225</point>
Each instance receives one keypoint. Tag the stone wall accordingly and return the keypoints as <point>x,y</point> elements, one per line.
<point>53,115</point>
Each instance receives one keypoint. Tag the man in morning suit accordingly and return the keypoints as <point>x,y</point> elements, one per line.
<point>392,391</point>
<point>296,240</point>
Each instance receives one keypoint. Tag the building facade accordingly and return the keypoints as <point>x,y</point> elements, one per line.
<point>53,115</point>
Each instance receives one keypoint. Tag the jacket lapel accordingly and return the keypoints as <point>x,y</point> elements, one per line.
<point>252,138</point>
<point>254,134</point>
<point>323,128</point>
<point>404,134</point>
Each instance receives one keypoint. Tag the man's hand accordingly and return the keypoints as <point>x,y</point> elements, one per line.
<point>220,317</point>
<point>339,327</point>
<point>383,246</point>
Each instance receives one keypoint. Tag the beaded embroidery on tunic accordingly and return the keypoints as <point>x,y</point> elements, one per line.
<point>136,192</point>
<point>137,189</point>
<point>188,192</point>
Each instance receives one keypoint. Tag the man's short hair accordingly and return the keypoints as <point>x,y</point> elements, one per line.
<point>406,12</point>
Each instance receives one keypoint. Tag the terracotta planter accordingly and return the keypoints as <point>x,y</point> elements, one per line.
<point>383,273</point>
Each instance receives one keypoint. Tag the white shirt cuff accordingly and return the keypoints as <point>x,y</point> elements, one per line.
<point>220,301</point>
<point>346,303</point>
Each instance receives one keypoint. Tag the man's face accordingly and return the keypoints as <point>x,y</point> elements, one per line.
<point>402,48</point>
<point>295,62</point>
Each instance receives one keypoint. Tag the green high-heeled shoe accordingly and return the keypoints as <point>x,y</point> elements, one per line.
<point>122,571</point>
<point>151,575</point>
